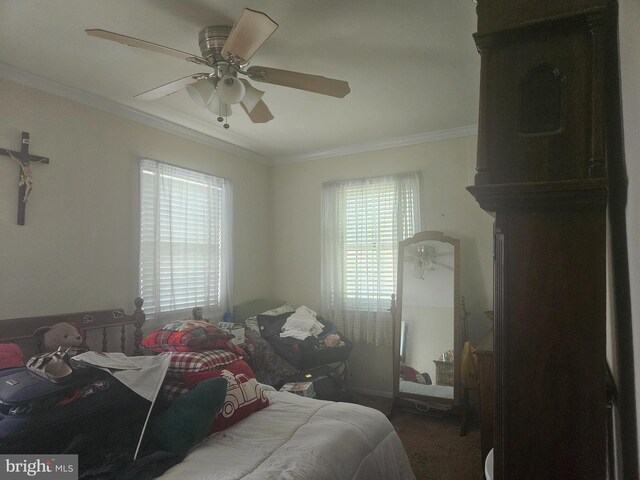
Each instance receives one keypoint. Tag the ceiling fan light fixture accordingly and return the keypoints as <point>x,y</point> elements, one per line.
<point>231,90</point>
<point>218,107</point>
<point>227,50</point>
<point>201,92</point>
<point>252,95</point>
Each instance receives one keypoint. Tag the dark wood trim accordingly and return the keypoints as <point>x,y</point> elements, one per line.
<point>625,402</point>
<point>21,330</point>
<point>521,17</point>
<point>543,174</point>
<point>486,390</point>
<point>585,193</point>
<point>482,163</point>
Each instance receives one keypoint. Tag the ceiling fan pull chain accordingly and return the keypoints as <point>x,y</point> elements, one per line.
<point>226,119</point>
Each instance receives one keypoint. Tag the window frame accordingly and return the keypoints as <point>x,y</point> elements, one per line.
<point>353,298</point>
<point>198,227</point>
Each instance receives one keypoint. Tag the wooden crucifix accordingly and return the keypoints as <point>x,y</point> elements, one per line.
<point>25,182</point>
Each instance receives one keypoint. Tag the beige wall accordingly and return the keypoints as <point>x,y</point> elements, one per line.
<point>630,66</point>
<point>79,247</point>
<point>429,335</point>
<point>446,168</point>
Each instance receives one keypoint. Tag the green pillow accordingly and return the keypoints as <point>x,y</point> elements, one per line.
<point>189,418</point>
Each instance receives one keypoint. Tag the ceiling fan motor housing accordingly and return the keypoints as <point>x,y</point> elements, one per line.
<point>211,41</point>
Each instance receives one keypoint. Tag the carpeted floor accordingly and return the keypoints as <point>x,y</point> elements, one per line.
<point>435,448</point>
<point>433,443</point>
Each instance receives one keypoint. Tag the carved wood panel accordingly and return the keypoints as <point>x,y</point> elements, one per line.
<point>539,95</point>
<point>550,347</point>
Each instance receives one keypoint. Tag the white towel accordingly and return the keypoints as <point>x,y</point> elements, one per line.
<point>302,324</point>
<point>142,374</point>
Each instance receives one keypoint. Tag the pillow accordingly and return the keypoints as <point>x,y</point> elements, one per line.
<point>172,389</point>
<point>271,325</point>
<point>188,419</point>
<point>189,336</point>
<point>410,374</point>
<point>192,362</point>
<point>10,355</point>
<point>244,394</point>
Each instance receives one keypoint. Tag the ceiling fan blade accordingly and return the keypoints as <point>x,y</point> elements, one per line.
<point>169,88</point>
<point>136,42</point>
<point>301,81</point>
<point>260,113</point>
<point>250,31</point>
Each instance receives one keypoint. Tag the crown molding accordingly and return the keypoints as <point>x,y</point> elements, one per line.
<point>379,145</point>
<point>13,74</point>
<point>16,75</point>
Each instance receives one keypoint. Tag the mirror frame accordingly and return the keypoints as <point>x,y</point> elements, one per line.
<point>396,313</point>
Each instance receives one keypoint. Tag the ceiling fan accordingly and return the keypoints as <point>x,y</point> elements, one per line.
<point>425,258</point>
<point>227,50</point>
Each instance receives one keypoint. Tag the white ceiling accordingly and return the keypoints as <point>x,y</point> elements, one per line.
<point>411,64</point>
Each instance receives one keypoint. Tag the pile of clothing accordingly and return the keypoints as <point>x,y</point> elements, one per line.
<point>304,339</point>
<point>304,323</point>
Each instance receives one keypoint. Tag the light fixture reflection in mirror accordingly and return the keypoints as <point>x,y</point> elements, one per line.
<point>425,258</point>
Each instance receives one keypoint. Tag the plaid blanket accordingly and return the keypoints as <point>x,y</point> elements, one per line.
<point>189,336</point>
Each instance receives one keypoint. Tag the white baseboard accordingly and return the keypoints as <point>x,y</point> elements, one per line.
<point>375,393</point>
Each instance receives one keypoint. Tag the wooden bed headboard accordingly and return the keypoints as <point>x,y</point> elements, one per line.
<point>103,322</point>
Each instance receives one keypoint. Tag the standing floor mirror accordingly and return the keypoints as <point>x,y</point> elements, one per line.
<point>427,340</point>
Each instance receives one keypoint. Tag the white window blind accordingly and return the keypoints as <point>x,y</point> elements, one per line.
<point>363,220</point>
<point>185,240</point>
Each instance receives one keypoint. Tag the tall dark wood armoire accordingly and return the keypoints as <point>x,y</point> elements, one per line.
<point>542,171</point>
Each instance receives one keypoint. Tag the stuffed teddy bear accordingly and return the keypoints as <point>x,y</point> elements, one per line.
<point>61,334</point>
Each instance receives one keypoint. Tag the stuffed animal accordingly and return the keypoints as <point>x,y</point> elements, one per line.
<point>61,334</point>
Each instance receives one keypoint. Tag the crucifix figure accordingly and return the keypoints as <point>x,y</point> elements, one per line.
<point>24,158</point>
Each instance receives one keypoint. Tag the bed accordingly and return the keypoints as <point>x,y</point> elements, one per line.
<point>300,438</point>
<point>440,391</point>
<point>292,438</point>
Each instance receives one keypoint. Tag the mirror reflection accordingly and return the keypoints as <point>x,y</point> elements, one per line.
<point>426,318</point>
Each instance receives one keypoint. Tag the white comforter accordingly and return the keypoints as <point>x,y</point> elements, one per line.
<point>300,438</point>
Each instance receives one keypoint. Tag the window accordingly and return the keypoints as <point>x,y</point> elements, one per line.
<point>185,241</point>
<point>363,220</point>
